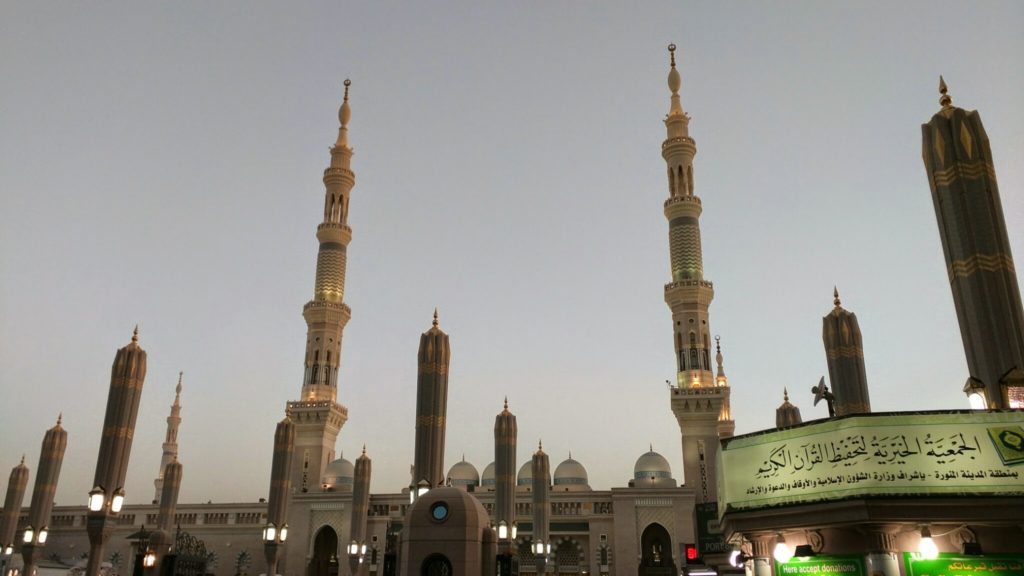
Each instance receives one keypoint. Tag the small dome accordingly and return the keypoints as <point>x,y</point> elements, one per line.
<point>487,478</point>
<point>339,475</point>
<point>571,476</point>
<point>652,470</point>
<point>525,477</point>
<point>464,474</point>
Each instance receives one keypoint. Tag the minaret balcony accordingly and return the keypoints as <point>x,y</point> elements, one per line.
<point>335,174</point>
<point>678,140</point>
<point>334,232</point>
<point>683,206</point>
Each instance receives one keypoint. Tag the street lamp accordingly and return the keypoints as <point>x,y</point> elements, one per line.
<point>357,551</point>
<point>274,535</point>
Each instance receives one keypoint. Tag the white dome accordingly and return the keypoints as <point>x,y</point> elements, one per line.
<point>571,475</point>
<point>652,470</point>
<point>487,478</point>
<point>464,474</point>
<point>525,477</point>
<point>339,475</point>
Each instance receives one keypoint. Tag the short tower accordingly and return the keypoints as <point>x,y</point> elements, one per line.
<point>844,350</point>
<point>434,358</point>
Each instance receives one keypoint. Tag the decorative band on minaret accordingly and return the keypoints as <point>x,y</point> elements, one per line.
<point>434,359</point>
<point>962,177</point>
<point>699,399</point>
<point>318,417</point>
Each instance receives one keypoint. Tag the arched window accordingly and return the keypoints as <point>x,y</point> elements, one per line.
<point>671,182</point>
<point>436,565</point>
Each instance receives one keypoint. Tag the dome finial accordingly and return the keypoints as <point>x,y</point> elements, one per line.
<point>135,334</point>
<point>650,447</point>
<point>945,99</point>
<point>506,403</point>
<point>435,317</point>
<point>23,459</point>
<point>672,54</point>
<point>60,417</point>
<point>835,296</point>
<point>364,449</point>
<point>785,394</point>
<point>540,444</point>
<point>177,389</point>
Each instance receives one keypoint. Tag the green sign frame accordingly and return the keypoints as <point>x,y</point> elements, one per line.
<point>958,565</point>
<point>963,453</point>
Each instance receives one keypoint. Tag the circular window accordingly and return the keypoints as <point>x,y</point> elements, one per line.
<point>439,512</point>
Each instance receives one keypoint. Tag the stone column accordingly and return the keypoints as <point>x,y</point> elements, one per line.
<point>763,546</point>
<point>881,559</point>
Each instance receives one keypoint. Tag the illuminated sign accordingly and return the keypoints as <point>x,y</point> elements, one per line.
<point>822,566</point>
<point>957,453</point>
<point>956,565</point>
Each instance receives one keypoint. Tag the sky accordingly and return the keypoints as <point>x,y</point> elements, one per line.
<point>161,165</point>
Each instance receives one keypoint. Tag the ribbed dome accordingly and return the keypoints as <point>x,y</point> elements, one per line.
<point>525,477</point>
<point>571,475</point>
<point>652,470</point>
<point>464,474</point>
<point>487,478</point>
<point>339,475</point>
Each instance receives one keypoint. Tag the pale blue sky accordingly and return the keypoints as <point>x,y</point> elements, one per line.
<point>161,164</point>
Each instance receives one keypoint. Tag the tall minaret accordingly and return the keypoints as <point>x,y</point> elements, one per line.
<point>958,160</point>
<point>700,403</point>
<point>434,358</point>
<point>170,441</point>
<point>317,416</point>
<point>844,351</point>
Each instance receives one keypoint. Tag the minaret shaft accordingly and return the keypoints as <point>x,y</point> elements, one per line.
<point>318,417</point>
<point>699,401</point>
<point>170,445</point>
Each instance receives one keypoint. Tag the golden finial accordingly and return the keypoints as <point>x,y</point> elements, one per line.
<point>835,296</point>
<point>60,417</point>
<point>23,459</point>
<point>435,317</point>
<point>945,99</point>
<point>650,447</point>
<point>364,449</point>
<point>177,389</point>
<point>718,344</point>
<point>344,114</point>
<point>570,454</point>
<point>506,403</point>
<point>785,394</point>
<point>672,54</point>
<point>135,334</point>
<point>347,84</point>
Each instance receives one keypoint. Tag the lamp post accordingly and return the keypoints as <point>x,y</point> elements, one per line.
<point>127,376</point>
<point>542,552</point>
<point>145,557</point>
<point>356,555</point>
<point>273,536</point>
<point>276,531</point>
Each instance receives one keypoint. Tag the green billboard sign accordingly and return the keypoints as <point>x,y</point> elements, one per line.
<point>957,453</point>
<point>957,565</point>
<point>822,566</point>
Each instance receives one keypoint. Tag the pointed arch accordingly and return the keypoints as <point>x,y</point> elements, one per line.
<point>324,561</point>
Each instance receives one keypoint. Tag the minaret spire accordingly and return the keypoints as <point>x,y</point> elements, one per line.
<point>318,417</point>
<point>699,400</point>
<point>170,446</point>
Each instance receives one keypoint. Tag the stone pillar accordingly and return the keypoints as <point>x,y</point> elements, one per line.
<point>881,559</point>
<point>280,488</point>
<point>505,435</point>
<point>360,508</point>
<point>763,545</point>
<point>12,503</point>
<point>434,358</point>
<point>541,469</point>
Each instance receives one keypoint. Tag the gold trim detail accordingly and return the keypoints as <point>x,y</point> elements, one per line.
<point>844,352</point>
<point>968,170</point>
<point>984,262</point>
<point>430,420</point>
<point>966,140</point>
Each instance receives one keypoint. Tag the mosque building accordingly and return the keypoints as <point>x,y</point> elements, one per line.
<point>514,515</point>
